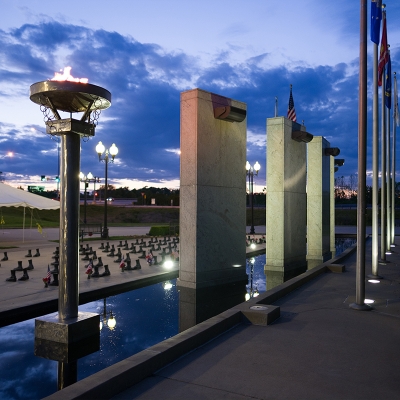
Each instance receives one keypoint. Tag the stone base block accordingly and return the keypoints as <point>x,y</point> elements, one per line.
<point>337,268</point>
<point>66,352</point>
<point>50,327</point>
<point>259,314</point>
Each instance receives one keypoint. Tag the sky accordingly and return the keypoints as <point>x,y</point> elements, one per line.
<point>147,52</point>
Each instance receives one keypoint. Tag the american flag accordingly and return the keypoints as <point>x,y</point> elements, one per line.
<point>291,112</point>
<point>48,276</point>
<point>89,268</point>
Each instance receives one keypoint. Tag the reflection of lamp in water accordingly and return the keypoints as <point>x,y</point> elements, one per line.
<point>250,172</point>
<point>110,322</point>
<point>255,292</point>
<point>167,285</point>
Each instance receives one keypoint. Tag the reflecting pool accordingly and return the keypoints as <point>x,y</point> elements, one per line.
<point>142,318</point>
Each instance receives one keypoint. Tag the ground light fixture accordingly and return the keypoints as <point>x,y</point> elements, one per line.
<point>369,301</point>
<point>374,281</point>
<point>109,156</point>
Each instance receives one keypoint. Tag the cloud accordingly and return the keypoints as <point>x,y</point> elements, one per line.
<point>145,82</point>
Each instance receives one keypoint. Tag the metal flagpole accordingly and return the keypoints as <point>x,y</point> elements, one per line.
<point>375,164</point>
<point>383,150</point>
<point>276,107</point>
<point>388,183</point>
<point>362,167</point>
<point>395,119</point>
<point>392,233</point>
<point>383,174</point>
<point>388,103</point>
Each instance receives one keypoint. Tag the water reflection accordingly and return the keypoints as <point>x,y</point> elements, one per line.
<point>197,305</point>
<point>143,317</point>
<point>343,244</point>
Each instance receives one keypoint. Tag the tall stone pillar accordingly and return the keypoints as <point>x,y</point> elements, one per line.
<point>318,202</point>
<point>212,193</point>
<point>286,200</point>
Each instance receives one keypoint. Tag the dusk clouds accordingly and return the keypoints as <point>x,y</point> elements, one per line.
<point>146,78</point>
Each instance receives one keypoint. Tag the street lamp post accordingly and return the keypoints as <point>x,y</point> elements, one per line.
<point>113,151</point>
<point>87,178</point>
<point>250,171</point>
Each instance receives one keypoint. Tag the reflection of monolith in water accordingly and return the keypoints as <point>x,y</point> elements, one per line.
<point>319,163</point>
<point>197,305</point>
<point>286,209</point>
<point>212,194</point>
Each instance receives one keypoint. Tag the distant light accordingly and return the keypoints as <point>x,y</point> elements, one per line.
<point>388,253</point>
<point>168,264</point>
<point>10,154</point>
<point>369,301</point>
<point>392,245</point>
<point>373,281</point>
<point>247,297</point>
<point>253,246</point>
<point>236,265</point>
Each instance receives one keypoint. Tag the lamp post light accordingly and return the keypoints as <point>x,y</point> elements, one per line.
<point>113,151</point>
<point>250,172</point>
<point>87,178</point>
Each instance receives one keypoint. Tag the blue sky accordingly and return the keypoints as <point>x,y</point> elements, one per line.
<point>147,52</point>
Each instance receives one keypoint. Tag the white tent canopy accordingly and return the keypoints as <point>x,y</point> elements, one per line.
<point>12,197</point>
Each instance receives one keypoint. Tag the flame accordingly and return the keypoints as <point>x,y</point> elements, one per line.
<point>66,76</point>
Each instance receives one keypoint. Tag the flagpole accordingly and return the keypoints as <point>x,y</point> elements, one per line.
<point>362,165</point>
<point>383,176</point>
<point>388,184</point>
<point>382,63</point>
<point>375,165</point>
<point>395,117</point>
<point>276,107</point>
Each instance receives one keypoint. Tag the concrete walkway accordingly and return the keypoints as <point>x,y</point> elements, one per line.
<point>318,348</point>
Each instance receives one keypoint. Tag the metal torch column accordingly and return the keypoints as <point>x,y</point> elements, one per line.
<point>69,227</point>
